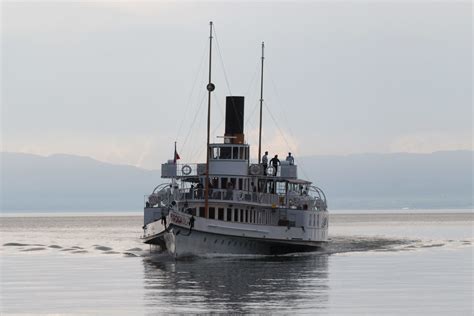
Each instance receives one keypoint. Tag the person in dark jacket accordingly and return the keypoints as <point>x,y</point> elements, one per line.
<point>275,162</point>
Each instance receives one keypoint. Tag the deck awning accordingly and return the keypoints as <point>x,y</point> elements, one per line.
<point>298,181</point>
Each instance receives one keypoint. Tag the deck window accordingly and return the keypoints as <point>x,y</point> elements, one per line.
<point>224,183</point>
<point>220,214</point>
<point>229,215</point>
<point>235,153</point>
<point>242,153</point>
<point>215,183</point>
<point>226,152</point>
<point>280,187</point>
<point>212,213</point>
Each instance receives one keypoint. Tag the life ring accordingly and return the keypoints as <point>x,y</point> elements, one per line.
<point>186,170</point>
<point>270,170</point>
<point>255,170</point>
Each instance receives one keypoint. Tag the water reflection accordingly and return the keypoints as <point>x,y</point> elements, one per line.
<point>237,284</point>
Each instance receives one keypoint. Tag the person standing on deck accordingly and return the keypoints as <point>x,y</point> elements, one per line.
<point>275,162</point>
<point>265,163</point>
<point>290,159</point>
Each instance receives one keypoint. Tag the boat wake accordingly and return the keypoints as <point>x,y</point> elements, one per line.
<point>336,245</point>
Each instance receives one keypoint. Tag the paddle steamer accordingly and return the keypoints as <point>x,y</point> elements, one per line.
<point>228,205</point>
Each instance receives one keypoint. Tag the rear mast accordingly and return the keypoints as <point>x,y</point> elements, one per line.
<point>261,102</point>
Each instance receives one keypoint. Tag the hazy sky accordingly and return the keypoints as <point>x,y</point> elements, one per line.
<point>121,81</point>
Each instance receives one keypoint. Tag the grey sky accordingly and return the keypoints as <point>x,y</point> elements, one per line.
<point>114,80</point>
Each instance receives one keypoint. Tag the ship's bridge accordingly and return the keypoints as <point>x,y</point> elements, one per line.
<point>229,159</point>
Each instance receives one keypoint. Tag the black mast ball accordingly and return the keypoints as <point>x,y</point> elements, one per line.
<point>210,87</point>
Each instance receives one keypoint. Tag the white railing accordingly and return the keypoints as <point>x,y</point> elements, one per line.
<point>164,195</point>
<point>229,195</point>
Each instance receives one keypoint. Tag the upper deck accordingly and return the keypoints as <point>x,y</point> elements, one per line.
<point>228,160</point>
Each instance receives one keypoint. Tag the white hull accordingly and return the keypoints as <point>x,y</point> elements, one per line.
<point>199,243</point>
<point>230,238</point>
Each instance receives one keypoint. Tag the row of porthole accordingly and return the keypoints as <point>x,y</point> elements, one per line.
<point>245,244</point>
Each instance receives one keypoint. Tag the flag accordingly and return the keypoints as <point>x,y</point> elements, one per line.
<point>176,155</point>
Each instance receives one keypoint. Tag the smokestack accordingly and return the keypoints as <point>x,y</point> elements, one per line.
<point>234,120</point>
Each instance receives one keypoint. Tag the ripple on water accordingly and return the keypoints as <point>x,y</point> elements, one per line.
<point>431,246</point>
<point>34,249</point>
<point>134,249</point>
<point>103,248</point>
<point>15,244</point>
<point>361,244</point>
<point>55,246</point>
<point>79,251</point>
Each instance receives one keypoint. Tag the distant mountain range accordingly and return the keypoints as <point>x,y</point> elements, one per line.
<point>392,181</point>
<point>366,181</point>
<point>71,183</point>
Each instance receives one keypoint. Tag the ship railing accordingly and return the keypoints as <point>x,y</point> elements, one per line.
<point>164,195</point>
<point>229,195</point>
<point>320,202</point>
<point>175,170</point>
<point>161,196</point>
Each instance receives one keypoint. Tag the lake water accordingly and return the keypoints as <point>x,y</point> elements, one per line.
<point>375,264</point>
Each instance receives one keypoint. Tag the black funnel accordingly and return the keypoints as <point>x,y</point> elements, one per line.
<point>234,116</point>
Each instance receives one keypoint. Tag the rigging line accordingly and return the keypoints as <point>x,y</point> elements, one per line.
<point>190,127</point>
<point>188,103</point>
<point>251,123</point>
<point>198,151</point>
<point>200,148</point>
<point>249,120</point>
<point>251,97</point>
<point>194,120</point>
<point>282,134</point>
<point>195,141</point>
<point>276,124</point>
<point>195,149</point>
<point>219,107</point>
<point>222,61</point>
<point>223,68</point>
<point>253,78</point>
<point>285,116</point>
<point>198,142</point>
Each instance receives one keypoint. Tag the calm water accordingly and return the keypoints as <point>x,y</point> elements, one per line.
<point>375,264</point>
